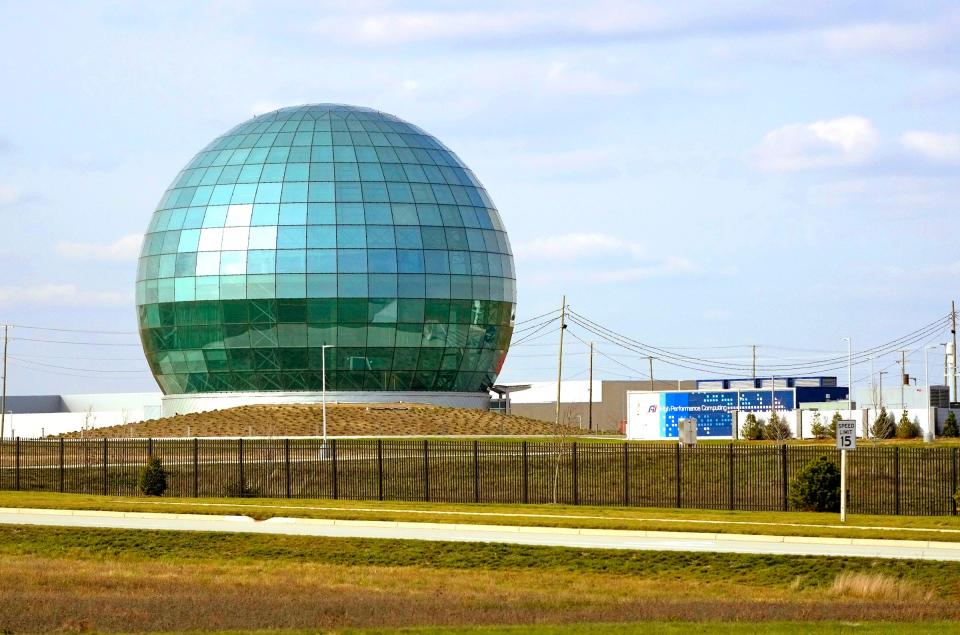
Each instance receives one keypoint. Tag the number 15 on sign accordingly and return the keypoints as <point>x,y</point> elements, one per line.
<point>846,440</point>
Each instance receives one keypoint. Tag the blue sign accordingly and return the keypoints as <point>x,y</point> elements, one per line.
<point>713,410</point>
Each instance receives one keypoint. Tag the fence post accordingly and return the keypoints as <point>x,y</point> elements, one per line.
<point>626,474</point>
<point>526,491</point>
<point>16,473</point>
<point>196,468</point>
<point>149,446</point>
<point>333,466</point>
<point>576,483</point>
<point>730,470</point>
<point>953,471</point>
<point>785,486</point>
<point>104,466</point>
<point>240,463</point>
<point>476,472</point>
<point>426,470</point>
<point>286,463</point>
<point>896,479</point>
<point>679,499</point>
<point>62,465</point>
<point>379,469</point>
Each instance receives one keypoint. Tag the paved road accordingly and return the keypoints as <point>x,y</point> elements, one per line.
<point>544,536</point>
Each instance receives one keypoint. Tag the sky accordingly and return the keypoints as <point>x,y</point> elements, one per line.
<point>698,176</point>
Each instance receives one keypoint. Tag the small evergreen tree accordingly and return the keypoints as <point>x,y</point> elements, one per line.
<point>777,429</point>
<point>950,426</point>
<point>153,478</point>
<point>883,427</point>
<point>816,487</point>
<point>752,429</point>
<point>832,428</point>
<point>906,429</point>
<point>817,429</point>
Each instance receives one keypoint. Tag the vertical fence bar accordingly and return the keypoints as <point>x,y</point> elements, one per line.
<point>896,480</point>
<point>150,446</point>
<point>476,472</point>
<point>286,465</point>
<point>333,467</point>
<point>730,470</point>
<point>16,470</point>
<point>526,475</point>
<point>240,464</point>
<point>380,469</point>
<point>104,466</point>
<point>426,470</point>
<point>576,481</point>
<point>626,474</point>
<point>783,475</point>
<point>679,497</point>
<point>63,469</point>
<point>196,468</point>
<point>953,477</point>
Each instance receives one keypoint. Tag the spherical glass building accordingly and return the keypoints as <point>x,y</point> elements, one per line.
<point>326,233</point>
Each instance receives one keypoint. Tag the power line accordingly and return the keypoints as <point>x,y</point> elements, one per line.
<point>30,339</point>
<point>44,328</point>
<point>711,365</point>
<point>85,370</point>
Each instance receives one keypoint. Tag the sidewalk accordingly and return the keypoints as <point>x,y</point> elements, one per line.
<point>507,534</point>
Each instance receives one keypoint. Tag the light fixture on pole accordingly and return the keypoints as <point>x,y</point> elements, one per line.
<point>323,385</point>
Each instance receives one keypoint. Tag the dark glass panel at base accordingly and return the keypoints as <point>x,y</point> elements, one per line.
<point>191,346</point>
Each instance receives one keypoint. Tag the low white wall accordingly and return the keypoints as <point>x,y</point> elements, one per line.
<point>47,423</point>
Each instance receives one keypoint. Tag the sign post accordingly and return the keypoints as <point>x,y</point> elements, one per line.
<point>846,440</point>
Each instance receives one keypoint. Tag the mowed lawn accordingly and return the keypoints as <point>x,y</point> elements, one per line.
<point>63,579</point>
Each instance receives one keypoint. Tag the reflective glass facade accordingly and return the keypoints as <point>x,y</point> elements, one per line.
<point>325,225</point>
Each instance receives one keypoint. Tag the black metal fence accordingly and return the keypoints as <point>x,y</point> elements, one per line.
<point>882,480</point>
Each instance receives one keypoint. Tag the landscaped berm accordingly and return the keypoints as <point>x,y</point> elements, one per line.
<point>342,420</point>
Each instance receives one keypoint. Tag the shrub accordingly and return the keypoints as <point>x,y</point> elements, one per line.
<point>907,429</point>
<point>816,487</point>
<point>832,428</point>
<point>777,429</point>
<point>237,488</point>
<point>817,429</point>
<point>883,427</point>
<point>752,429</point>
<point>153,478</point>
<point>950,426</point>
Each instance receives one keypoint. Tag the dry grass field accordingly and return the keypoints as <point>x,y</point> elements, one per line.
<point>342,420</point>
<point>66,580</point>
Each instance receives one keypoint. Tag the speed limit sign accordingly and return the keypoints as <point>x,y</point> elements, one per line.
<point>846,434</point>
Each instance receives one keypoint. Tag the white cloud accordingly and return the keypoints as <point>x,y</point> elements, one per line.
<point>889,37</point>
<point>124,248</point>
<point>62,295</point>
<point>9,196</point>
<point>932,145</point>
<point>594,257</point>
<point>830,143</point>
<point>563,79</point>
<point>578,246</point>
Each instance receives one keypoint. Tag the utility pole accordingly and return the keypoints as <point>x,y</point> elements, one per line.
<point>3,396</point>
<point>903,377</point>
<point>563,326</point>
<point>953,333</point>
<point>590,393</point>
<point>881,373</point>
<point>651,373</point>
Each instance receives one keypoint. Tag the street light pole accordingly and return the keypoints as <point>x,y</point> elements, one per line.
<point>849,377</point>
<point>323,384</point>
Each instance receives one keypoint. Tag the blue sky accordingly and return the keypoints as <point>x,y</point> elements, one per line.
<point>710,175</point>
